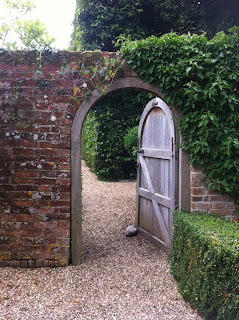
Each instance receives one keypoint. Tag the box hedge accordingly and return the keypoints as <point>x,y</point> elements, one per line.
<point>130,142</point>
<point>205,261</point>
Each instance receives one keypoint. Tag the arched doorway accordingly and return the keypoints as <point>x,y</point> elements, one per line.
<point>182,196</point>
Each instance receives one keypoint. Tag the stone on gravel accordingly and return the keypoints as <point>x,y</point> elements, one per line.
<point>131,231</point>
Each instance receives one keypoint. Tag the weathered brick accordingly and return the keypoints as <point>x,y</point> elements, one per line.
<point>212,192</point>
<point>7,67</point>
<point>222,212</point>
<point>60,203</point>
<point>64,225</point>
<point>6,187</point>
<point>46,263</point>
<point>30,174</point>
<point>201,191</point>
<point>219,205</point>
<point>5,173</point>
<point>201,206</point>
<point>61,232</point>
<point>45,189</point>
<point>61,188</point>
<point>65,210</point>
<point>4,263</point>
<point>196,183</point>
<point>39,263</point>
<point>30,233</point>
<point>45,181</point>
<point>197,176</point>
<point>220,198</point>
<point>43,255</point>
<point>23,263</point>
<point>230,205</point>
<point>24,67</point>
<point>15,263</point>
<point>63,182</point>
<point>65,195</point>
<point>31,263</point>
<point>23,203</point>
<point>64,167</point>
<point>35,162</point>
<point>61,152</point>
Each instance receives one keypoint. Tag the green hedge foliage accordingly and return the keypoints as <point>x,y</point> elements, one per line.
<point>104,131</point>
<point>130,142</point>
<point>201,78</point>
<point>98,23</point>
<point>205,261</point>
<point>89,139</point>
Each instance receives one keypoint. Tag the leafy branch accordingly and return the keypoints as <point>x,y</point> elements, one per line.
<point>99,76</point>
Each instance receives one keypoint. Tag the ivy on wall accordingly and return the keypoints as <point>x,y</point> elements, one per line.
<point>200,77</point>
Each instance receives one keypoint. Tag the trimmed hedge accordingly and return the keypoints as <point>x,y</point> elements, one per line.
<point>89,138</point>
<point>104,130</point>
<point>130,142</point>
<point>205,261</point>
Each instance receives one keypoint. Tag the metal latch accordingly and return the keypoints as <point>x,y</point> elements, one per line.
<point>140,151</point>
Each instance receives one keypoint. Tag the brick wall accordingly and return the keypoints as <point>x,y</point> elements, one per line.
<point>36,113</point>
<point>209,201</point>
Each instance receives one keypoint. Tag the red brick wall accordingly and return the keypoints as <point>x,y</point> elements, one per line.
<point>36,117</point>
<point>209,201</point>
<point>36,114</point>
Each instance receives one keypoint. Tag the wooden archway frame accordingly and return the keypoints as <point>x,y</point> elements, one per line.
<point>76,203</point>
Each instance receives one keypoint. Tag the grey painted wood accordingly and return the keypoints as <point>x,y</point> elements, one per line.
<point>154,196</point>
<point>156,200</point>
<point>154,239</point>
<point>156,181</point>
<point>157,153</point>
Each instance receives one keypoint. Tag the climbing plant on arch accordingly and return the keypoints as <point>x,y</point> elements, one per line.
<point>201,78</point>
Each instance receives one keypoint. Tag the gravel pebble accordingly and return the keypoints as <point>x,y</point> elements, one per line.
<point>120,278</point>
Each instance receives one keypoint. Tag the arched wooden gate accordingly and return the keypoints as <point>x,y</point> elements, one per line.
<point>146,190</point>
<point>157,173</point>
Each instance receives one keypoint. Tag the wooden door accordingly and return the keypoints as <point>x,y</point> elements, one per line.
<point>156,174</point>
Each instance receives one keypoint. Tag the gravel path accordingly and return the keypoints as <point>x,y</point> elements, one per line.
<point>120,278</point>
